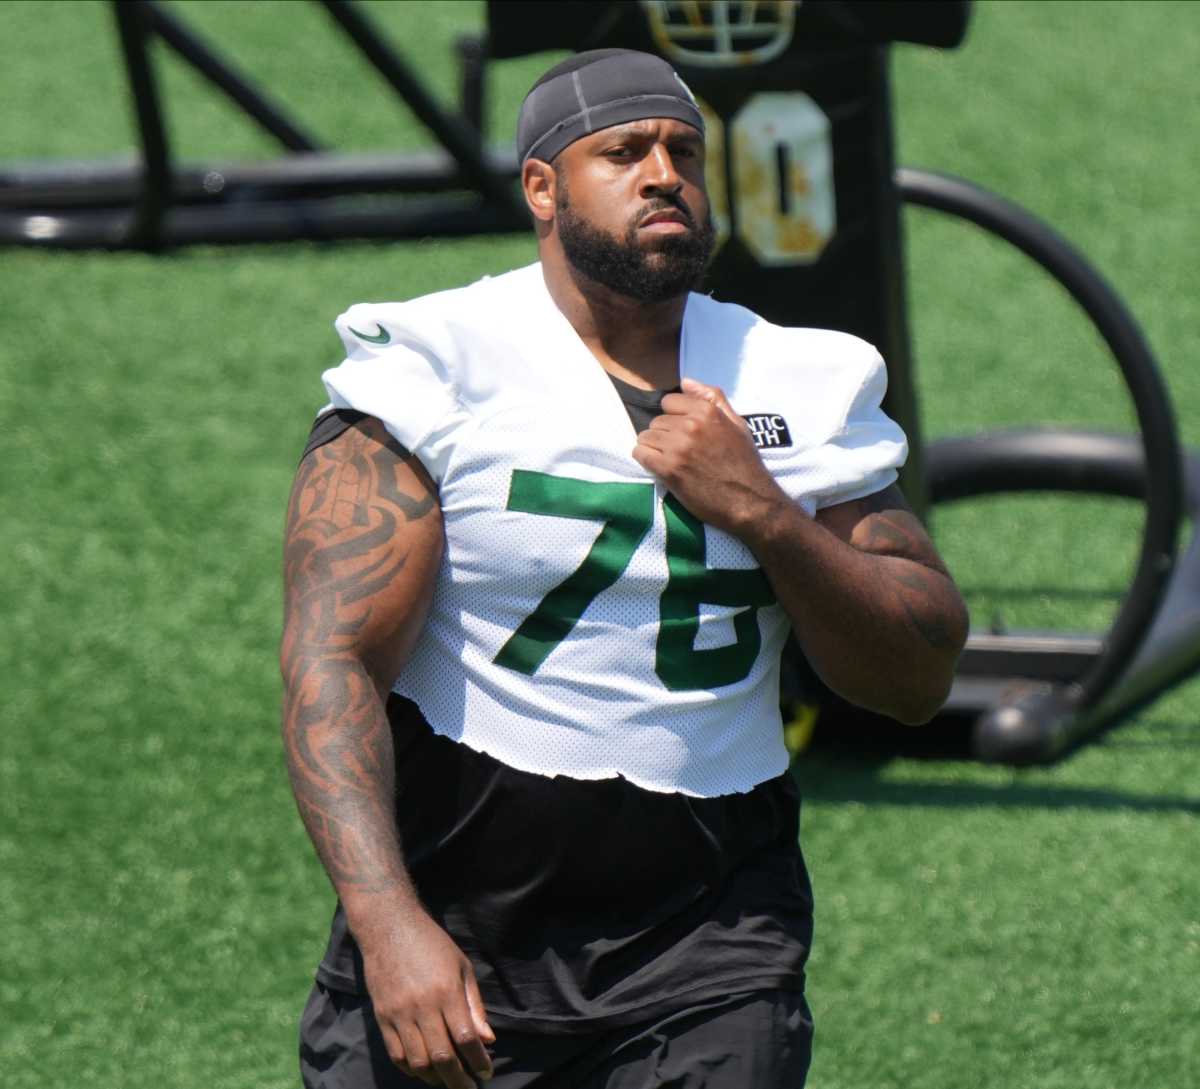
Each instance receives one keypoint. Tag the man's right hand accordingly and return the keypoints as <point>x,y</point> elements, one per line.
<point>427,1003</point>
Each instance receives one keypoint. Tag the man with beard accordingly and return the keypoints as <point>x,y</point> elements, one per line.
<point>543,551</point>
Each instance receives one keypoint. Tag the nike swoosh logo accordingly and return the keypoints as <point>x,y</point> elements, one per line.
<point>382,337</point>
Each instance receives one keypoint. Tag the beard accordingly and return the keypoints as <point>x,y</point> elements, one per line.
<point>652,272</point>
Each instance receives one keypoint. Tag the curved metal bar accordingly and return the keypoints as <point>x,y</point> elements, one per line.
<point>1035,460</point>
<point>1156,420</point>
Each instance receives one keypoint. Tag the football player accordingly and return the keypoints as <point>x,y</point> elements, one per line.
<point>543,551</point>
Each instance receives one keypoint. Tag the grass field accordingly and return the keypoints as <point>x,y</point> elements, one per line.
<point>162,911</point>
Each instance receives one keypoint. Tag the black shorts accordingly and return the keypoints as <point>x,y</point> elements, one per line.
<point>760,1040</point>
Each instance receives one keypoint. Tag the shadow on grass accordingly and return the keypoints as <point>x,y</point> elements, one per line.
<point>850,752</point>
<point>841,779</point>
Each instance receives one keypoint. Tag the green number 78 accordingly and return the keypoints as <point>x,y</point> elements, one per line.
<point>627,513</point>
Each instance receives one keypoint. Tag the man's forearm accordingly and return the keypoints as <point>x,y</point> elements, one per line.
<point>338,747</point>
<point>882,630</point>
<point>363,541</point>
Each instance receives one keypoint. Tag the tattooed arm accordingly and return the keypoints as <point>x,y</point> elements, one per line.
<point>870,600</point>
<point>363,545</point>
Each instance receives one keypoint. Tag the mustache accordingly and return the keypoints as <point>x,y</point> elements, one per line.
<point>674,203</point>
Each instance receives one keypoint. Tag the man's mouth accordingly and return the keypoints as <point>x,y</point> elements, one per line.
<point>666,221</point>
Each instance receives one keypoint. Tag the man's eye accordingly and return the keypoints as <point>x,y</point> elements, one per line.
<point>619,152</point>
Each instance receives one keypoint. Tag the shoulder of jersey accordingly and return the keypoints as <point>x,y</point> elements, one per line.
<point>823,341</point>
<point>369,329</point>
<point>823,360</point>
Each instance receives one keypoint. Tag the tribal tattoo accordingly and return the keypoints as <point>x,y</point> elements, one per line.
<point>363,542</point>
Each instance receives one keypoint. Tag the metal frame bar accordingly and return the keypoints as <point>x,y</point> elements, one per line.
<point>188,45</point>
<point>48,188</point>
<point>155,204</point>
<point>456,136</point>
<point>1034,460</point>
<point>144,228</point>
<point>472,66</point>
<point>901,399</point>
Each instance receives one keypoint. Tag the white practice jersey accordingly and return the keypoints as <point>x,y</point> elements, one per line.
<point>584,623</point>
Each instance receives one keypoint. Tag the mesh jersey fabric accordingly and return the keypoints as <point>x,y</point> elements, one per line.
<point>583,624</point>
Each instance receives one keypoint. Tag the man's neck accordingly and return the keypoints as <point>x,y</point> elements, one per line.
<point>637,342</point>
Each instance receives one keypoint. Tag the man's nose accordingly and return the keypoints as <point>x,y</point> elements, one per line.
<point>658,172</point>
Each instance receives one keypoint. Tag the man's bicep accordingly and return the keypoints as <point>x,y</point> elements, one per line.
<point>882,524</point>
<point>362,547</point>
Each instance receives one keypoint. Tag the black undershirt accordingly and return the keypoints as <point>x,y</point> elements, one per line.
<point>585,904</point>
<point>641,404</point>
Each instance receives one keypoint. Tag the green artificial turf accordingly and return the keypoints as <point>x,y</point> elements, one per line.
<point>162,911</point>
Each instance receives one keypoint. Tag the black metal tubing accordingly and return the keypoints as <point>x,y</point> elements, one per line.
<point>472,66</point>
<point>874,106</point>
<point>454,134</point>
<point>1172,652</point>
<point>116,206</point>
<point>1152,406</point>
<point>144,227</point>
<point>1042,656</point>
<point>1036,460</point>
<point>274,221</point>
<point>189,46</point>
<point>47,188</point>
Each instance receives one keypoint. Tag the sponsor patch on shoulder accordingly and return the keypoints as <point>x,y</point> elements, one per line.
<point>769,429</point>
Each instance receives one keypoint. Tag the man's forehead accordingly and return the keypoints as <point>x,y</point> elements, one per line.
<point>648,127</point>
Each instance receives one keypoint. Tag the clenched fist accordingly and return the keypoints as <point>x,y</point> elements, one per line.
<point>703,452</point>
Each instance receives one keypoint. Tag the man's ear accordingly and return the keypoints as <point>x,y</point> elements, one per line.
<point>540,186</point>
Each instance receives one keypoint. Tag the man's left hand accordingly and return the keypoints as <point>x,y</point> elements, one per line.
<point>703,452</point>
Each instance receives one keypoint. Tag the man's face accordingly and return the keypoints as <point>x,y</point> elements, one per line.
<point>632,212</point>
